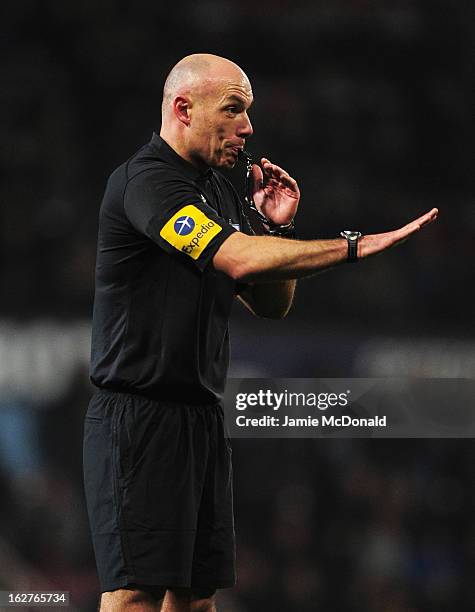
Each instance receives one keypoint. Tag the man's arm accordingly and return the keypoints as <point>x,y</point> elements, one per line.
<point>269,265</point>
<point>265,258</point>
<point>278,200</point>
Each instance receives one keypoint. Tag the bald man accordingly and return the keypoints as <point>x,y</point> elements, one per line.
<point>174,251</point>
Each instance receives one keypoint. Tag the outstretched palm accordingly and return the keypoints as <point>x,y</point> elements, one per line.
<point>278,197</point>
<point>372,244</point>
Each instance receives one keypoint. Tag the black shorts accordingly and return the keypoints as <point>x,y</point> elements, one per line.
<point>158,483</point>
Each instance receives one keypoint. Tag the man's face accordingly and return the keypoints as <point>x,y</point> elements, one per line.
<point>220,122</point>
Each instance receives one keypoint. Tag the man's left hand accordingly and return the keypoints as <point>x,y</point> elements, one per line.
<point>277,198</point>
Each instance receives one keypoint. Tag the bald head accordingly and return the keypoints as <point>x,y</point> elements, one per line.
<point>204,110</point>
<point>197,74</point>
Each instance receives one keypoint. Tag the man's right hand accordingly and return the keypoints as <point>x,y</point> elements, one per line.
<point>375,243</point>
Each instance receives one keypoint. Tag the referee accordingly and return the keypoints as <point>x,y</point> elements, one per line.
<point>172,256</point>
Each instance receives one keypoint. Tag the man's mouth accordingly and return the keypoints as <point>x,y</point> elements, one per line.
<point>236,148</point>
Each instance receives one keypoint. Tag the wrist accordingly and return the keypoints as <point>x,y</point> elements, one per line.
<point>352,238</point>
<point>283,231</point>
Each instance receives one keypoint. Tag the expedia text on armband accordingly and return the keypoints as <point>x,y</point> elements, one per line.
<point>195,241</point>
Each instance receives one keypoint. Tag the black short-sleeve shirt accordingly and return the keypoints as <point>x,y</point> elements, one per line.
<point>161,310</point>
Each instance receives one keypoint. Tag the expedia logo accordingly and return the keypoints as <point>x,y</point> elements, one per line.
<point>184,226</point>
<point>195,242</point>
<point>190,230</point>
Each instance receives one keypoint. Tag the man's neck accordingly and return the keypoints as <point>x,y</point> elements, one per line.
<point>181,149</point>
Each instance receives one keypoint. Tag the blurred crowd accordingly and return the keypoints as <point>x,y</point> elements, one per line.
<point>369,106</point>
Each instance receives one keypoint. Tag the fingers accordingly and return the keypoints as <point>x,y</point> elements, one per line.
<point>417,224</point>
<point>257,178</point>
<point>272,170</point>
<point>376,243</point>
<point>276,175</point>
<point>429,217</point>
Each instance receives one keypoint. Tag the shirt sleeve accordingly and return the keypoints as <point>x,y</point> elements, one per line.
<point>173,213</point>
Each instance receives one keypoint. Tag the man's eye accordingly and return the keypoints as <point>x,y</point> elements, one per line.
<point>232,109</point>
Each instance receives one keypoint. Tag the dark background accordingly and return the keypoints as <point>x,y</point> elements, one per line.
<point>370,107</point>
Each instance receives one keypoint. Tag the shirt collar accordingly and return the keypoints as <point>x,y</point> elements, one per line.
<point>169,155</point>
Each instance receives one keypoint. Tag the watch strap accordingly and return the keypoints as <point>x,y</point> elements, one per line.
<point>352,238</point>
<point>353,250</point>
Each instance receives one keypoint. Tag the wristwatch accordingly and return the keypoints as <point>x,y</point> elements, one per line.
<point>352,238</point>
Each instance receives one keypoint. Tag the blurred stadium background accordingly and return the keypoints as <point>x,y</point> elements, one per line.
<point>370,106</point>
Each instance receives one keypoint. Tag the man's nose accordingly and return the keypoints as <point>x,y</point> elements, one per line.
<point>246,129</point>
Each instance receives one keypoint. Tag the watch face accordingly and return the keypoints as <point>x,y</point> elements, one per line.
<point>350,235</point>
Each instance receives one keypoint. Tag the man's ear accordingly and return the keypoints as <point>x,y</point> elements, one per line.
<point>181,108</point>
